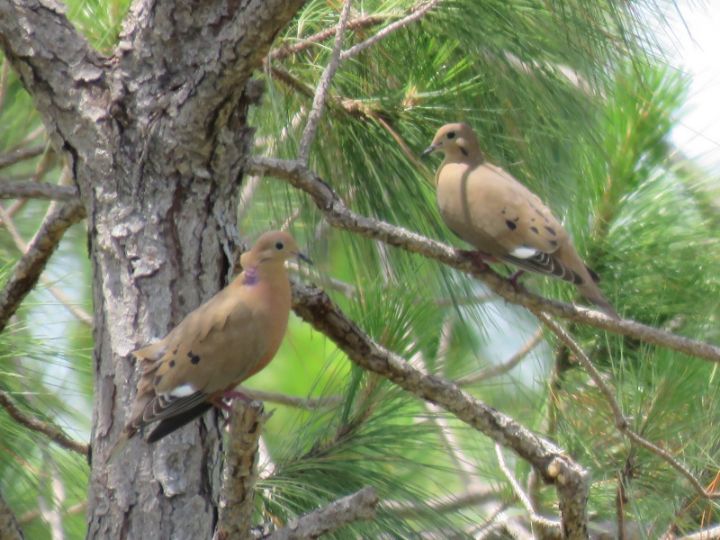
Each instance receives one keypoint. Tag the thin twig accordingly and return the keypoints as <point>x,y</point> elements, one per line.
<point>9,528</point>
<point>27,271</point>
<point>555,466</point>
<point>77,508</point>
<point>341,217</point>
<point>323,86</point>
<point>443,505</point>
<point>292,401</point>
<point>550,525</point>
<point>358,506</point>
<point>503,367</point>
<point>37,190</point>
<point>709,533</point>
<point>289,50</point>
<point>240,471</point>
<point>418,13</point>
<point>621,422</point>
<point>20,154</point>
<point>48,429</point>
<point>79,313</point>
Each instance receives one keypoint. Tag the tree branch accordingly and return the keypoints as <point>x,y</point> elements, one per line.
<point>621,422</point>
<point>27,271</point>
<point>417,13</point>
<point>341,217</point>
<point>48,429</point>
<point>20,154</point>
<point>58,77</point>
<point>472,497</point>
<point>240,471</point>
<point>289,50</point>
<point>9,528</point>
<point>323,87</point>
<point>503,367</point>
<point>37,190</point>
<point>550,526</point>
<point>359,505</point>
<point>571,480</point>
<point>292,401</point>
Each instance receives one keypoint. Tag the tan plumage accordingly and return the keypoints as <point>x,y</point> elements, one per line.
<point>227,339</point>
<point>488,208</point>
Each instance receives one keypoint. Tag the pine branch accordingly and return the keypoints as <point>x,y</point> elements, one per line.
<point>550,527</point>
<point>240,471</point>
<point>20,154</point>
<point>570,479</point>
<point>503,367</point>
<point>37,190</point>
<point>323,86</point>
<point>359,505</point>
<point>340,216</point>
<point>27,271</point>
<point>355,24</point>
<point>48,429</point>
<point>292,401</point>
<point>416,14</point>
<point>444,505</point>
<point>621,422</point>
<point>9,528</point>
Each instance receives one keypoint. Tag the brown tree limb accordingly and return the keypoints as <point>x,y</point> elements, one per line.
<point>356,24</point>
<point>503,367</point>
<point>9,528</point>
<point>341,217</point>
<point>570,479</point>
<point>416,13</point>
<point>359,505</point>
<point>27,271</point>
<point>37,190</point>
<point>48,429</point>
<point>20,154</point>
<point>621,422</point>
<point>323,86</point>
<point>240,470</point>
<point>442,505</point>
<point>292,401</point>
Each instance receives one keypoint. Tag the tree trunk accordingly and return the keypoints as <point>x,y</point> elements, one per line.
<point>157,137</point>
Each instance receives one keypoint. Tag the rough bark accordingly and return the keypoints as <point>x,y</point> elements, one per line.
<point>157,137</point>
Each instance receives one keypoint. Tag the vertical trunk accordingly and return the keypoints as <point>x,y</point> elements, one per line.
<point>161,239</point>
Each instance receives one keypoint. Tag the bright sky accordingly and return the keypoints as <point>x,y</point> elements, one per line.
<point>697,52</point>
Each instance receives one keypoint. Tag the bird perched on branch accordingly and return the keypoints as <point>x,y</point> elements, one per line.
<point>488,208</point>
<point>226,340</point>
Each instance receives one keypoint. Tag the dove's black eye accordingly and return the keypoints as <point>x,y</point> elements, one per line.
<point>279,245</point>
<point>451,135</point>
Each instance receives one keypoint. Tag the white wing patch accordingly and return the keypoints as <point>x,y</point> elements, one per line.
<point>181,391</point>
<point>524,252</point>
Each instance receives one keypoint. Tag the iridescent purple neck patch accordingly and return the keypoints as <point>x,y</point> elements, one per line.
<point>251,276</point>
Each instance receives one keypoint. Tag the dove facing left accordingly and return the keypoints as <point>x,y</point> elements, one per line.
<point>226,340</point>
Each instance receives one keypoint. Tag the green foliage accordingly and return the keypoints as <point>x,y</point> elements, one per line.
<point>562,94</point>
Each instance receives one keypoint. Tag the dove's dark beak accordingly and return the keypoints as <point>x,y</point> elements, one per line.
<point>429,150</point>
<point>304,258</point>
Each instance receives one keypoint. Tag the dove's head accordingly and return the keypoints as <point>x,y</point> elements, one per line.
<point>272,248</point>
<point>457,141</point>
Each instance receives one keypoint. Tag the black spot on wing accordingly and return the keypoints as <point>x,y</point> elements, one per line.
<point>172,363</point>
<point>510,224</point>
<point>550,230</point>
<point>157,379</point>
<point>465,152</point>
<point>534,229</point>
<point>194,358</point>
<point>553,243</point>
